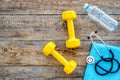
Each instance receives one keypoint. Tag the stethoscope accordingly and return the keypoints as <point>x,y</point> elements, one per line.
<point>98,68</point>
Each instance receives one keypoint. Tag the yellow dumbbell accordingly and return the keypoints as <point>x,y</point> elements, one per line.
<point>69,67</point>
<point>72,42</point>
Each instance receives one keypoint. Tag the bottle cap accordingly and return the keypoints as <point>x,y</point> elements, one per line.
<point>86,6</point>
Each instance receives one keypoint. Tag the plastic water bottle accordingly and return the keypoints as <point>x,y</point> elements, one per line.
<point>98,15</point>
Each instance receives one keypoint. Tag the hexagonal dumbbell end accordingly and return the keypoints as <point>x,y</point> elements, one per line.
<point>70,67</point>
<point>48,48</point>
<point>66,15</point>
<point>73,43</point>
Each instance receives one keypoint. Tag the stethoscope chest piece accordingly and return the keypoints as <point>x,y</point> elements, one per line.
<point>90,59</point>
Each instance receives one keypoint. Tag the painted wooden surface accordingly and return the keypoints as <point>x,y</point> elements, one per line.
<point>27,25</point>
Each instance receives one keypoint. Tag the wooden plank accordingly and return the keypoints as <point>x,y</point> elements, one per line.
<point>55,6</point>
<point>30,53</point>
<point>39,72</point>
<point>37,45</point>
<point>26,27</point>
<point>6,78</point>
<point>24,53</point>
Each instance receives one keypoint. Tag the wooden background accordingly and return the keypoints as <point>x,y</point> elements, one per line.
<point>27,25</point>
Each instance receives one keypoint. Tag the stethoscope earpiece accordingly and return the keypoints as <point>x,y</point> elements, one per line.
<point>96,31</point>
<point>88,37</point>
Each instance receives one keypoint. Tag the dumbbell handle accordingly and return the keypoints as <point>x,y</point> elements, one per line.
<point>59,57</point>
<point>70,26</point>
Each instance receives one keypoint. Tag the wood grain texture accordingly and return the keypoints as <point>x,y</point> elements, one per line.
<point>23,53</point>
<point>55,6</point>
<point>31,27</point>
<point>39,72</point>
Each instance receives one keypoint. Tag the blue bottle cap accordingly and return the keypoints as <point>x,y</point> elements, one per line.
<point>86,6</point>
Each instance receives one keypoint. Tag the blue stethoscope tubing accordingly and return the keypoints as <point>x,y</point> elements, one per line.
<point>109,59</point>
